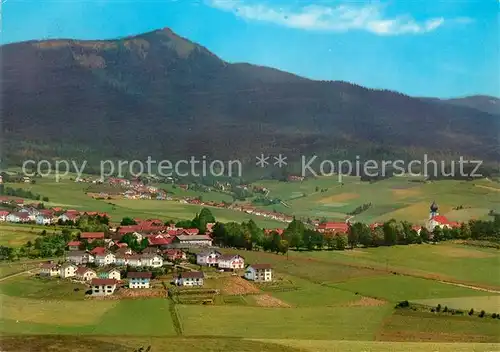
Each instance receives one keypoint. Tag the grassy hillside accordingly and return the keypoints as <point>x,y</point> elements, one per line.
<point>398,197</point>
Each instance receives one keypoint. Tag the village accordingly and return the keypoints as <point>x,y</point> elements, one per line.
<point>136,189</point>
<point>115,266</point>
<point>185,253</point>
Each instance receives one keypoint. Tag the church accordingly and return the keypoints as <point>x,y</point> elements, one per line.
<point>438,220</point>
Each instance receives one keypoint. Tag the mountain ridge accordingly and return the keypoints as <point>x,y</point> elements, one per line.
<point>115,96</point>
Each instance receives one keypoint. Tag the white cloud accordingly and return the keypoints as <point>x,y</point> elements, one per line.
<point>340,18</point>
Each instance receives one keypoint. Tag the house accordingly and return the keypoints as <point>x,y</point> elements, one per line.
<point>49,269</point>
<point>74,245</point>
<point>3,215</point>
<point>193,240</point>
<point>417,229</point>
<point>114,274</point>
<point>259,273</point>
<point>79,257</point>
<point>104,258</point>
<point>42,219</point>
<point>190,278</point>
<point>175,254</point>
<point>128,259</point>
<point>85,274</point>
<point>110,274</point>
<point>231,262</point>
<point>19,217</point>
<point>208,258</point>
<point>68,270</point>
<point>138,279</point>
<point>159,240</point>
<point>153,260</point>
<point>103,287</point>
<point>335,227</point>
<point>92,236</point>
<point>68,216</point>
<point>98,250</point>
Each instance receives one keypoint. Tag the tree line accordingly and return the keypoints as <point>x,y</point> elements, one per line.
<point>21,193</point>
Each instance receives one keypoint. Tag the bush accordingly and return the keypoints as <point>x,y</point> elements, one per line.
<point>403,304</point>
<point>445,309</point>
<point>482,314</point>
<point>438,308</point>
<point>76,289</point>
<point>471,311</point>
<point>494,315</point>
<point>433,310</point>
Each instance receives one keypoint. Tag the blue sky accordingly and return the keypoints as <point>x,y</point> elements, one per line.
<point>436,48</point>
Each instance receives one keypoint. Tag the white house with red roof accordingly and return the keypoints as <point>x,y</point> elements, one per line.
<point>231,262</point>
<point>3,215</point>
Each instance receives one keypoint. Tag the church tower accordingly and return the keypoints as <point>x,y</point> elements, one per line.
<point>434,210</point>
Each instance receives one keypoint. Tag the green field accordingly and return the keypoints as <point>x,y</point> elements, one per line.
<point>490,304</point>
<point>397,197</point>
<point>17,235</point>
<point>324,197</point>
<point>397,288</point>
<point>71,195</point>
<point>319,300</point>
<point>280,323</point>
<point>445,261</point>
<point>216,344</point>
<point>11,268</point>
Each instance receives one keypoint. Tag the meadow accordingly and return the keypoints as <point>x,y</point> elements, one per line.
<point>17,235</point>
<point>402,198</point>
<point>445,261</point>
<point>319,300</point>
<point>315,305</point>
<point>71,195</point>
